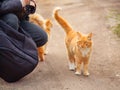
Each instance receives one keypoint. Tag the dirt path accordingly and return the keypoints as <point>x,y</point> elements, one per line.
<point>53,74</point>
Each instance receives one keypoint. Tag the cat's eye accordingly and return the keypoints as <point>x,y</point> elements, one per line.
<point>86,44</point>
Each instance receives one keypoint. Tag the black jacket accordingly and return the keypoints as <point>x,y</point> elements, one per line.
<point>18,53</point>
<point>11,6</point>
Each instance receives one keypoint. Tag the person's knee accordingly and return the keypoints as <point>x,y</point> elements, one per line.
<point>42,40</point>
<point>38,35</point>
<point>12,20</point>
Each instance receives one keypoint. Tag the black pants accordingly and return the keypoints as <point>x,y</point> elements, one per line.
<point>38,35</point>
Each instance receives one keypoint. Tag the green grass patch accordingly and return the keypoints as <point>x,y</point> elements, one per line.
<point>115,16</point>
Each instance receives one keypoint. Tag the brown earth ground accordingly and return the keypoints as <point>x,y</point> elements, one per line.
<point>53,74</point>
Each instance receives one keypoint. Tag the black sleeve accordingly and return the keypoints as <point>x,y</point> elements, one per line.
<point>10,6</point>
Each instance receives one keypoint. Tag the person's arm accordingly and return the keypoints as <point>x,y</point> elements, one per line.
<point>12,6</point>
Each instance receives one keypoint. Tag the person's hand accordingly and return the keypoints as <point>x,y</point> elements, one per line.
<point>28,1</point>
<point>25,2</point>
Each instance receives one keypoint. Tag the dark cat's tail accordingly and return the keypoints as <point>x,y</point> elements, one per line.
<point>61,20</point>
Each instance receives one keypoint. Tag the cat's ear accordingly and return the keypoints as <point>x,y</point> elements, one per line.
<point>79,34</point>
<point>90,36</point>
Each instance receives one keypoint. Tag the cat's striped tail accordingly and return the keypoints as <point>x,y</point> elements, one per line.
<point>61,21</point>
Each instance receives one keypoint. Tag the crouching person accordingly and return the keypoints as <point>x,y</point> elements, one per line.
<point>13,14</point>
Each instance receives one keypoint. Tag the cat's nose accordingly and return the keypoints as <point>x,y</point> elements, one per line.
<point>82,46</point>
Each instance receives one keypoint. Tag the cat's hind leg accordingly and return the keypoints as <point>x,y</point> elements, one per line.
<point>71,66</point>
<point>71,62</point>
<point>41,53</point>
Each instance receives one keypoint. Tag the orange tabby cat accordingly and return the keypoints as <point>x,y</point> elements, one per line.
<point>46,25</point>
<point>79,46</point>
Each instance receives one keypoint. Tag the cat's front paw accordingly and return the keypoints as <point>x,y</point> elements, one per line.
<point>86,73</point>
<point>46,52</point>
<point>77,73</point>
